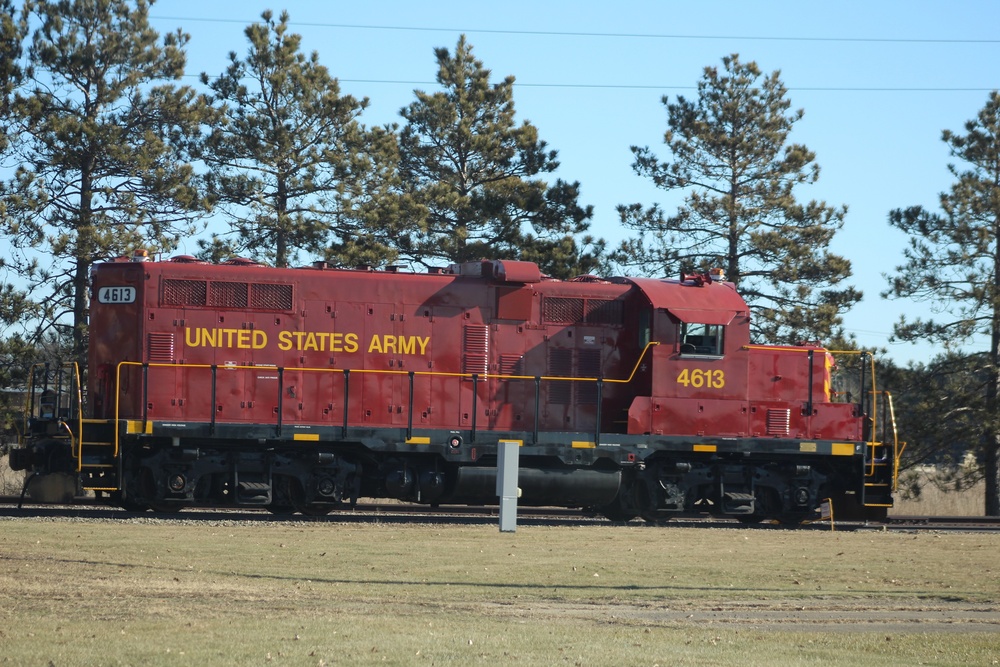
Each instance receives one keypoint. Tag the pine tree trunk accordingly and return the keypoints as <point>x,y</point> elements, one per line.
<point>991,441</point>
<point>85,251</point>
<point>992,470</point>
<point>81,308</point>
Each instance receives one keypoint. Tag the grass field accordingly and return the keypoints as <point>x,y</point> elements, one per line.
<point>153,592</point>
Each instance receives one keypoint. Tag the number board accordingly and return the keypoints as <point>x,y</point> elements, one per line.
<point>116,295</point>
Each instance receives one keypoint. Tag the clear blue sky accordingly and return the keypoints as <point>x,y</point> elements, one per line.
<point>878,81</point>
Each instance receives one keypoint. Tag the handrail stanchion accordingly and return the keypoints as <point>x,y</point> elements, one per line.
<point>809,400</point>
<point>347,398</point>
<point>215,389</point>
<point>538,409</point>
<point>281,399</point>
<point>409,411</point>
<point>145,396</point>
<point>475,405</point>
<point>600,399</point>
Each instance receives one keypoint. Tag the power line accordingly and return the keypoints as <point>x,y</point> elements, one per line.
<point>626,86</point>
<point>621,86</point>
<point>615,35</point>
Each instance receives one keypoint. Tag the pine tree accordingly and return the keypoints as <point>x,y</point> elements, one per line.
<point>12,33</point>
<point>733,161</point>
<point>938,410</point>
<point>103,149</point>
<point>15,306</point>
<point>476,172</point>
<point>291,165</point>
<point>953,262</point>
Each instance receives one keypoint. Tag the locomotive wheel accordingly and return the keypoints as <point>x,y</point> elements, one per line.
<point>128,504</point>
<point>618,511</point>
<point>654,519</point>
<point>616,514</point>
<point>793,520</point>
<point>626,504</point>
<point>314,509</point>
<point>165,508</point>
<point>291,488</point>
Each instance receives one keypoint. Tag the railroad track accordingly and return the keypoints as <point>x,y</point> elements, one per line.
<point>392,512</point>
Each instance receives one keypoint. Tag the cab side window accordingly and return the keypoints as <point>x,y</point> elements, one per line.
<point>701,338</point>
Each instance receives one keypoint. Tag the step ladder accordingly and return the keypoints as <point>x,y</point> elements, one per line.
<point>97,458</point>
<point>880,475</point>
<point>882,458</point>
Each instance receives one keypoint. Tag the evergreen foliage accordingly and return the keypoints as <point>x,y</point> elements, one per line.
<point>13,30</point>
<point>733,161</point>
<point>291,165</point>
<point>477,174</point>
<point>14,304</point>
<point>953,262</point>
<point>103,149</point>
<point>938,407</point>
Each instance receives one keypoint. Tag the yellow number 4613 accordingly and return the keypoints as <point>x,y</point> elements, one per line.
<point>698,378</point>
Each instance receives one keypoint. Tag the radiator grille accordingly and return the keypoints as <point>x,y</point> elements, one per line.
<point>558,309</point>
<point>184,292</point>
<point>219,294</point>
<point>227,295</point>
<point>565,310</point>
<point>270,297</point>
<point>605,311</point>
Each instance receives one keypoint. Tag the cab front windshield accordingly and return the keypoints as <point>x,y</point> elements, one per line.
<point>701,338</point>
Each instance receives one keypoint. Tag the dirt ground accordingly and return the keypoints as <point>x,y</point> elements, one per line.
<point>818,616</point>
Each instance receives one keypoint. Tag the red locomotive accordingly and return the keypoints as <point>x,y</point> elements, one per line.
<point>300,389</point>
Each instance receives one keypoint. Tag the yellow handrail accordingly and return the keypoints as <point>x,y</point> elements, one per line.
<point>897,450</point>
<point>485,376</point>
<point>79,418</point>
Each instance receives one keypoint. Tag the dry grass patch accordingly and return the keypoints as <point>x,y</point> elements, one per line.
<point>937,497</point>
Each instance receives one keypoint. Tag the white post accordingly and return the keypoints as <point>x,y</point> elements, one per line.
<point>507,463</point>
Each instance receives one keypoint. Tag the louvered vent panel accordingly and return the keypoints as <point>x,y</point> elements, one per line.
<point>605,311</point>
<point>560,365</point>
<point>160,347</point>
<point>510,364</point>
<point>778,421</point>
<point>227,295</point>
<point>557,309</point>
<point>475,341</point>
<point>184,292</point>
<point>588,366</point>
<point>270,297</point>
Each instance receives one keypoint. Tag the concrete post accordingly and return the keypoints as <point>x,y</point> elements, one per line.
<point>507,490</point>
